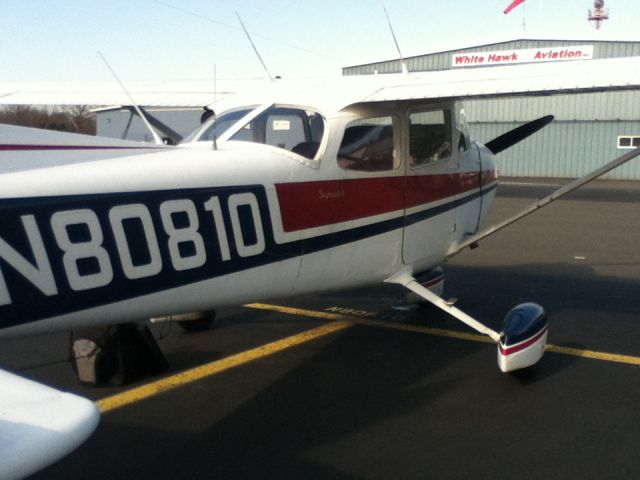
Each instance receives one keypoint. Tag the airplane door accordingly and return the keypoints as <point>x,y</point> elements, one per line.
<point>469,208</point>
<point>432,172</point>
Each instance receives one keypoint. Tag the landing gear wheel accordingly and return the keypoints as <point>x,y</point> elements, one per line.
<point>198,322</point>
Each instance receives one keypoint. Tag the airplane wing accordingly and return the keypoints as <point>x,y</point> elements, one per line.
<point>470,83</point>
<point>39,425</point>
<point>585,76</point>
<point>150,94</point>
<point>554,77</point>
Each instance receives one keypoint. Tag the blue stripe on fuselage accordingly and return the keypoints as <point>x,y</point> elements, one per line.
<point>28,303</point>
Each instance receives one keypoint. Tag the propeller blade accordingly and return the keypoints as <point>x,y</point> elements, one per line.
<point>512,137</point>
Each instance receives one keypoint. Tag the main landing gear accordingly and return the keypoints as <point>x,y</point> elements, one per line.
<point>523,338</point>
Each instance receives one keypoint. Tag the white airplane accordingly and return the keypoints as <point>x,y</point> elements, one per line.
<point>292,189</point>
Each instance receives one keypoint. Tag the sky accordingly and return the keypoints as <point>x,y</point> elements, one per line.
<point>58,40</point>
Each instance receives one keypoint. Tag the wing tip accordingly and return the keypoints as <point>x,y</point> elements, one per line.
<point>39,425</point>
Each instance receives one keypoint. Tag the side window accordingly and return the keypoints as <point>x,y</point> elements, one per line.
<point>294,129</point>
<point>429,136</point>
<point>368,145</point>
<point>462,131</point>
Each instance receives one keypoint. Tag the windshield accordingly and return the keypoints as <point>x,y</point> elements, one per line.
<point>220,125</point>
<point>297,130</point>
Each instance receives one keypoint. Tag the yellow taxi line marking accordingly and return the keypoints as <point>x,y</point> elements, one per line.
<point>372,323</point>
<point>594,355</point>
<point>300,311</point>
<point>575,352</point>
<point>174,381</point>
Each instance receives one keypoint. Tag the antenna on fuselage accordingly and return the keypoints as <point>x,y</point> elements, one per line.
<point>405,70</point>
<point>133,102</point>
<point>254,47</point>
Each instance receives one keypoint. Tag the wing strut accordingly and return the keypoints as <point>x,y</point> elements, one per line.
<point>543,202</point>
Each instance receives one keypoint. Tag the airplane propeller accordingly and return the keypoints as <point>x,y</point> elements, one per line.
<point>514,136</point>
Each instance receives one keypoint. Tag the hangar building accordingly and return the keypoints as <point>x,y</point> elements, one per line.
<point>588,131</point>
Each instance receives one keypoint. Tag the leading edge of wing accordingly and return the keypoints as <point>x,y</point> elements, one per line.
<point>39,425</point>
<point>552,78</point>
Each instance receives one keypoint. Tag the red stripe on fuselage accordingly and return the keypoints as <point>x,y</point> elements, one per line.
<point>431,188</point>
<point>316,204</point>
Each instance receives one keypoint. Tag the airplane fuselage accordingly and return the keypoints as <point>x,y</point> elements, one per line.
<point>94,233</point>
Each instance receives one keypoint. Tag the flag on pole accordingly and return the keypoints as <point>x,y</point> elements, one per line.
<point>513,5</point>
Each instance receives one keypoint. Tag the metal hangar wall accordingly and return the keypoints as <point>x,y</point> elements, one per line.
<point>588,131</point>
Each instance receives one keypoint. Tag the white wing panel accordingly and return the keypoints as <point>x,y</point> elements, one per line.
<point>13,136</point>
<point>337,93</point>
<point>176,93</point>
<point>39,425</point>
<point>533,79</point>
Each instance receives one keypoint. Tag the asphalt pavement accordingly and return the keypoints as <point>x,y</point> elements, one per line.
<point>381,390</point>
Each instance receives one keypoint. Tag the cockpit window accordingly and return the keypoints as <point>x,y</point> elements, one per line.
<point>297,130</point>
<point>220,125</point>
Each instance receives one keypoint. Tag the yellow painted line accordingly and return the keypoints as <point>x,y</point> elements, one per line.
<point>439,332</point>
<point>169,383</point>
<point>339,322</point>
<point>575,352</point>
<point>602,356</point>
<point>474,337</point>
<point>300,311</point>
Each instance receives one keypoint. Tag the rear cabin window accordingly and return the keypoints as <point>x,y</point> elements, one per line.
<point>368,145</point>
<point>429,137</point>
<point>297,130</point>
